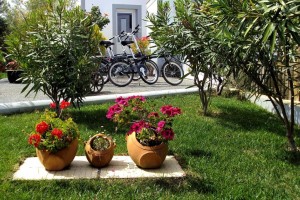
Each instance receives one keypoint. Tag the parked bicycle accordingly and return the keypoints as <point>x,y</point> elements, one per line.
<point>121,72</point>
<point>171,70</point>
<point>97,81</point>
<point>107,61</point>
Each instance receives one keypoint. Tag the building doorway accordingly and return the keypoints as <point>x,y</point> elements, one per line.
<point>126,21</point>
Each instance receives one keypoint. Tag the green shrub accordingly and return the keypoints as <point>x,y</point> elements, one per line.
<point>55,49</point>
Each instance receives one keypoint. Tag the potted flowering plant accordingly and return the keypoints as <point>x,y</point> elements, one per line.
<point>55,139</point>
<point>143,45</point>
<point>148,130</point>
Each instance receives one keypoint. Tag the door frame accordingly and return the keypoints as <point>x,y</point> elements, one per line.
<point>118,48</point>
<point>135,10</point>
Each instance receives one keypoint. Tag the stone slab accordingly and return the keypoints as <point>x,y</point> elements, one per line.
<point>119,167</point>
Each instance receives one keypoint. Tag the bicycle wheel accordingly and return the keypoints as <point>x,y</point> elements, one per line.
<point>120,74</point>
<point>97,83</point>
<point>136,77</point>
<point>172,72</point>
<point>148,72</point>
<point>103,69</point>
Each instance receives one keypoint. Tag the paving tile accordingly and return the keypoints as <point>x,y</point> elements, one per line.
<point>119,167</point>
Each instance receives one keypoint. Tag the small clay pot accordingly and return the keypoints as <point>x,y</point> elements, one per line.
<point>99,158</point>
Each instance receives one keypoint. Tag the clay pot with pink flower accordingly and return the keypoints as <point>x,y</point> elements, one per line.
<point>55,139</point>
<point>149,130</point>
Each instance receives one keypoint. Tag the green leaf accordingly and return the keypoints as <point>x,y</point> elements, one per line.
<point>269,30</point>
<point>296,37</point>
<point>250,26</point>
<point>273,42</point>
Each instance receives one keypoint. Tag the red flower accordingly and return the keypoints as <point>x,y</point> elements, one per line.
<point>53,105</point>
<point>64,104</point>
<point>34,139</point>
<point>57,132</point>
<point>145,38</point>
<point>42,127</point>
<point>168,134</point>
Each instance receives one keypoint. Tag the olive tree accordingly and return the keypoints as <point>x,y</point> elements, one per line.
<point>98,18</point>
<point>189,33</point>
<point>264,38</point>
<point>256,39</point>
<point>55,51</point>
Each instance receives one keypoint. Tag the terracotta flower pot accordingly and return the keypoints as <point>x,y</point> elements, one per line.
<point>145,156</point>
<point>59,160</point>
<point>99,158</point>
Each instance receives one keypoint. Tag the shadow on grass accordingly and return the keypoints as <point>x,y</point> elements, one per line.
<point>188,184</point>
<point>198,153</point>
<point>291,157</point>
<point>248,119</point>
<point>113,187</point>
<point>93,119</point>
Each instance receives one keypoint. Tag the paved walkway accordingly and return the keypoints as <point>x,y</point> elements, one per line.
<point>119,167</point>
<point>13,101</point>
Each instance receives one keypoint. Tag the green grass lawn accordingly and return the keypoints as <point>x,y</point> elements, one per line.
<point>3,75</point>
<point>238,152</point>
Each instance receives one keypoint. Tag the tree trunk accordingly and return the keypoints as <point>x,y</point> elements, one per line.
<point>201,91</point>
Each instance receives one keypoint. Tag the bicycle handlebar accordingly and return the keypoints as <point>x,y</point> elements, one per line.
<point>123,33</point>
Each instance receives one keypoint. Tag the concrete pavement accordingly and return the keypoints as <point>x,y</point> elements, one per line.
<point>13,101</point>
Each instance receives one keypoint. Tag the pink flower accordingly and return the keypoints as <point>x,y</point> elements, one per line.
<point>137,127</point>
<point>122,101</point>
<point>160,126</point>
<point>64,104</point>
<point>170,110</point>
<point>168,134</point>
<point>153,114</point>
<point>141,98</point>
<point>57,132</point>
<point>114,109</point>
<point>42,127</point>
<point>176,111</point>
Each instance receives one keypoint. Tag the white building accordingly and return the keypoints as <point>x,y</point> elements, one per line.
<point>126,15</point>
<point>123,15</point>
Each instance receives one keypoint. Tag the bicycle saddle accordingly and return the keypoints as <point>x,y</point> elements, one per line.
<point>106,43</point>
<point>124,43</point>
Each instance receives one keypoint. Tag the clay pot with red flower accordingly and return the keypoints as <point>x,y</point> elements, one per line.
<point>55,140</point>
<point>149,130</point>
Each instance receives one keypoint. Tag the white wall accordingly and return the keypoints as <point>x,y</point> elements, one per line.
<point>106,7</point>
<point>152,9</point>
<point>264,102</point>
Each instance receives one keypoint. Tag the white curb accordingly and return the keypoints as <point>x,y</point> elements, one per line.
<point>27,106</point>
